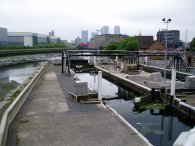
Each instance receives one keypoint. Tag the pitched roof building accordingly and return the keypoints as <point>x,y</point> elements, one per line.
<point>145,42</point>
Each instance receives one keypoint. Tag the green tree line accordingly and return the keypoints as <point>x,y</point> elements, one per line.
<point>129,44</point>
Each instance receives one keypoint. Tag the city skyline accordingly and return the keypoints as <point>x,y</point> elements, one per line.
<point>68,18</point>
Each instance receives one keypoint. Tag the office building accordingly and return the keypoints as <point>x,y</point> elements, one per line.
<point>117,30</point>
<point>84,36</point>
<point>104,30</point>
<point>3,36</point>
<point>103,40</point>
<point>30,39</point>
<point>172,36</point>
<point>93,34</point>
<point>52,33</point>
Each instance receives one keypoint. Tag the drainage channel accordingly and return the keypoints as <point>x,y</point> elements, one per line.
<point>161,126</point>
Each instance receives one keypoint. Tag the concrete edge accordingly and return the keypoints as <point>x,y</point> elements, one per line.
<point>119,116</point>
<point>128,124</point>
<point>13,109</point>
<point>147,89</point>
<point>161,69</point>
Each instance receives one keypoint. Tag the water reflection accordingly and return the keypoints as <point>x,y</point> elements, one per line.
<point>160,127</point>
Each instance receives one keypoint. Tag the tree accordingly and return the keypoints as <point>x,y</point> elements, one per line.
<point>122,44</point>
<point>112,46</point>
<point>192,45</point>
<point>130,44</point>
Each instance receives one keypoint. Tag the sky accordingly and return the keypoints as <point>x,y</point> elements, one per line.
<point>68,17</point>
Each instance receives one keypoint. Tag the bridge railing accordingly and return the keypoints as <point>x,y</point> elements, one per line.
<point>119,53</point>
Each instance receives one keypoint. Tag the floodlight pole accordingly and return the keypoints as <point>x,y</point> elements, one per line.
<point>166,41</point>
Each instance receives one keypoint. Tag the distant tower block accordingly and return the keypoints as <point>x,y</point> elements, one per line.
<point>105,30</point>
<point>117,30</point>
<point>51,33</point>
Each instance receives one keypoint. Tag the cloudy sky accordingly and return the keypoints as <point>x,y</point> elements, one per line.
<point>68,17</point>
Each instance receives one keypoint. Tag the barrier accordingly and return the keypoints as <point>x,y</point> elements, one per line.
<point>13,109</point>
<point>126,82</point>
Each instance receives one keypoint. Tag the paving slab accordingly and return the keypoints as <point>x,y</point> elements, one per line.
<point>53,119</point>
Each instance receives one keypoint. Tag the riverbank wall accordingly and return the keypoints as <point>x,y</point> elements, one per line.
<point>13,109</point>
<point>182,107</point>
<point>128,83</point>
<point>180,75</point>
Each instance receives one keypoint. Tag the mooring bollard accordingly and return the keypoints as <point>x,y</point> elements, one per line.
<point>94,60</point>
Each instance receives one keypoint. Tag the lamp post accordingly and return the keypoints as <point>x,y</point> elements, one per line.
<point>99,30</point>
<point>165,68</point>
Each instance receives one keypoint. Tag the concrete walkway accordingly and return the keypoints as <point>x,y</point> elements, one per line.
<point>52,119</point>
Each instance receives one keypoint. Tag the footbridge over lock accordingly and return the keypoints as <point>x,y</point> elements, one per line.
<point>178,61</point>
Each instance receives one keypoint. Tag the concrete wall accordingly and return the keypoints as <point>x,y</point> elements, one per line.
<point>13,109</point>
<point>182,107</point>
<point>128,83</point>
<point>161,70</point>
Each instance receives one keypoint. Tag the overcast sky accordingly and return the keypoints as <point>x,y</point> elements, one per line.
<point>68,17</point>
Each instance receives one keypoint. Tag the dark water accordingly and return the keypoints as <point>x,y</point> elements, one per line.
<point>160,127</point>
<point>18,73</point>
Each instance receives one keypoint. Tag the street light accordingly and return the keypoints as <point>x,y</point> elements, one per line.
<point>165,68</point>
<point>99,30</point>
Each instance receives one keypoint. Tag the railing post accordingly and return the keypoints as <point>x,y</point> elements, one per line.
<point>62,62</point>
<point>68,63</point>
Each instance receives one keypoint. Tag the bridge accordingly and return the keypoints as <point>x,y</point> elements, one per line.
<point>178,60</point>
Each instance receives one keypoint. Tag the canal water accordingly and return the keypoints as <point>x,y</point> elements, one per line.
<point>10,60</point>
<point>19,72</point>
<point>160,127</point>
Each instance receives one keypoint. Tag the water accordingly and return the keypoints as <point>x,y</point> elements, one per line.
<point>22,65</point>
<point>18,73</point>
<point>159,127</point>
<point>28,58</point>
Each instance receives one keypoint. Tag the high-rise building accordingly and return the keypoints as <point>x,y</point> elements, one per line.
<point>51,33</point>
<point>105,30</point>
<point>117,30</point>
<point>93,34</point>
<point>84,36</point>
<point>3,36</point>
<point>172,36</point>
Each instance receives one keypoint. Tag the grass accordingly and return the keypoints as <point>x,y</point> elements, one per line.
<point>24,121</point>
<point>15,47</point>
<point>14,95</point>
<point>134,133</point>
<point>153,106</point>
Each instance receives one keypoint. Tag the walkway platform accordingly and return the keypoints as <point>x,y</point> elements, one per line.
<point>53,119</point>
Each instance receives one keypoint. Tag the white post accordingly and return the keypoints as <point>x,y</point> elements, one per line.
<point>117,62</point>
<point>94,60</point>
<point>173,81</point>
<point>100,85</point>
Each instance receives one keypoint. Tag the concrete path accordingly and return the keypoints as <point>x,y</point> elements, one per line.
<point>52,119</point>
